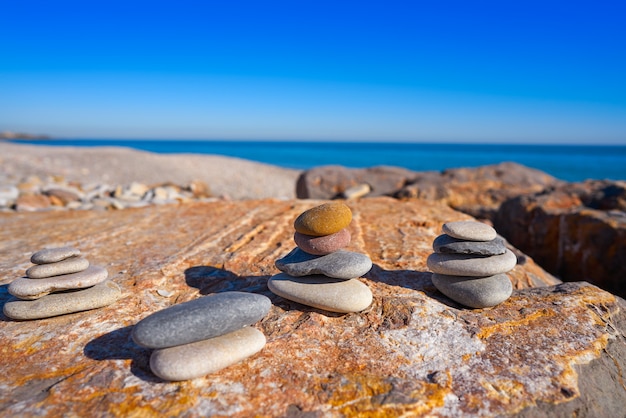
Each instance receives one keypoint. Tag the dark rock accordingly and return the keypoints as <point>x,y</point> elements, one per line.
<point>567,238</point>
<point>329,182</point>
<point>478,191</point>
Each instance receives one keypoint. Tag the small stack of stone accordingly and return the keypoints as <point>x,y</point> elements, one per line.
<point>469,264</point>
<point>203,336</point>
<point>60,282</point>
<point>318,272</point>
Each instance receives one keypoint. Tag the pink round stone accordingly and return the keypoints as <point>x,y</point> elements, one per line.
<point>322,245</point>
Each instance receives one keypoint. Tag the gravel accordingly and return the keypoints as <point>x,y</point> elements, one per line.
<point>226,177</point>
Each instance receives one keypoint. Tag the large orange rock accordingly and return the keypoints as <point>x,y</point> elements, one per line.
<point>412,352</point>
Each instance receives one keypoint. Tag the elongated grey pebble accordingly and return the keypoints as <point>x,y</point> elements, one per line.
<point>334,295</point>
<point>475,292</point>
<point>25,288</point>
<point>100,295</point>
<point>469,230</point>
<point>53,255</point>
<point>340,264</point>
<point>198,359</point>
<point>68,266</point>
<point>471,265</point>
<point>200,319</point>
<point>447,244</point>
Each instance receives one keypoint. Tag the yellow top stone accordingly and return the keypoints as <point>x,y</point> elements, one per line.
<point>325,219</point>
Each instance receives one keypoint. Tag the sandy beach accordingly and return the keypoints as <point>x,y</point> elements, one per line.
<point>230,177</point>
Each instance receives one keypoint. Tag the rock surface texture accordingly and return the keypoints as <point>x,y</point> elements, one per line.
<point>552,351</point>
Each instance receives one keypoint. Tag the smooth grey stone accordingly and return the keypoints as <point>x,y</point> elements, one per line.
<point>475,292</point>
<point>200,319</point>
<point>53,255</point>
<point>25,288</point>
<point>449,245</point>
<point>198,359</point>
<point>327,293</point>
<point>100,295</point>
<point>471,265</point>
<point>68,266</point>
<point>469,230</point>
<point>340,264</point>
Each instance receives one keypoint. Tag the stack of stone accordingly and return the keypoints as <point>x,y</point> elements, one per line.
<point>60,282</point>
<point>202,336</point>
<point>469,264</point>
<point>318,272</point>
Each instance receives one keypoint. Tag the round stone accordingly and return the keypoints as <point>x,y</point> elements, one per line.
<point>68,266</point>
<point>198,359</point>
<point>340,264</point>
<point>323,245</point>
<point>447,244</point>
<point>25,288</point>
<point>469,230</point>
<point>325,219</point>
<point>322,292</point>
<point>53,255</point>
<point>100,295</point>
<point>475,292</point>
<point>200,319</point>
<point>471,265</point>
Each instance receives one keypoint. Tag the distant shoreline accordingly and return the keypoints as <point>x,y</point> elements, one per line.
<point>7,135</point>
<point>566,162</point>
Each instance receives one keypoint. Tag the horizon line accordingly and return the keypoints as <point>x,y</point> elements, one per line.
<point>46,138</point>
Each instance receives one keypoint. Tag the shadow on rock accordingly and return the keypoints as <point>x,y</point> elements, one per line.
<point>208,279</point>
<point>215,280</point>
<point>118,345</point>
<point>5,296</point>
<point>420,281</point>
<point>289,305</point>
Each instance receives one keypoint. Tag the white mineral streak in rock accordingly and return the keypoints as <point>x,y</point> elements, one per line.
<point>439,345</point>
<point>434,345</point>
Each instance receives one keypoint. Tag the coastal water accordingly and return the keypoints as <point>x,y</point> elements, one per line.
<point>566,162</point>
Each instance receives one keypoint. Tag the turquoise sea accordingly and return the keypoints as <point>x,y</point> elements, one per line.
<point>566,162</point>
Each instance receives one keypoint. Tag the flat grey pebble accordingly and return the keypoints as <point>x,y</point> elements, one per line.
<point>329,294</point>
<point>53,255</point>
<point>69,265</point>
<point>25,288</point>
<point>100,295</point>
<point>200,319</point>
<point>447,244</point>
<point>471,265</point>
<point>469,230</point>
<point>198,359</point>
<point>475,292</point>
<point>340,264</point>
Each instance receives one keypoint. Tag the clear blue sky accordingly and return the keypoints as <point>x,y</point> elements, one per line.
<point>480,71</point>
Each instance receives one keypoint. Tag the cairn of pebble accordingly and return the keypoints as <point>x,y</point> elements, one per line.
<point>202,336</point>
<point>319,272</point>
<point>470,263</point>
<point>60,282</point>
